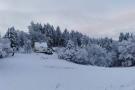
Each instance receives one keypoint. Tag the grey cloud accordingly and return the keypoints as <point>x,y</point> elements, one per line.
<point>93,17</point>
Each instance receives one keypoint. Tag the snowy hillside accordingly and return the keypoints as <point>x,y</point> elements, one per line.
<point>42,72</point>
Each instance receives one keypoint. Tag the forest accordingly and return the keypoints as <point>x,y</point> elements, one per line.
<point>73,46</point>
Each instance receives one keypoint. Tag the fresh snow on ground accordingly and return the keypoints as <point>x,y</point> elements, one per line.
<point>43,72</point>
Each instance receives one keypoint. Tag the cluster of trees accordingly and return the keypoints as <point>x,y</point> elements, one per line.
<point>92,54</point>
<point>76,47</point>
<point>55,37</point>
<point>102,52</point>
<point>5,49</point>
<point>20,41</point>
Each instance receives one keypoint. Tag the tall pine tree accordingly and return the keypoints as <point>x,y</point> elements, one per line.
<point>11,34</point>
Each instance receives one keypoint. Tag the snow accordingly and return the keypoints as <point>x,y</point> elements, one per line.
<point>44,72</point>
<point>42,44</point>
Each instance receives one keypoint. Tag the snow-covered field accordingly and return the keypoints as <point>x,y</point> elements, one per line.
<point>43,72</point>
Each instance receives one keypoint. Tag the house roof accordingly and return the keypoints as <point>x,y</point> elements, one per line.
<point>42,44</point>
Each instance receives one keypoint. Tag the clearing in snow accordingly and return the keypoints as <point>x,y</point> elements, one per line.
<point>44,72</point>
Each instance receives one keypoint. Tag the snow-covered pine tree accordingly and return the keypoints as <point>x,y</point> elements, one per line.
<point>84,41</point>
<point>11,34</point>
<point>66,37</point>
<point>68,53</point>
<point>76,37</point>
<point>58,35</point>
<point>127,53</point>
<point>22,37</point>
<point>125,36</point>
<point>50,34</point>
<point>73,37</point>
<point>35,31</point>
<point>70,45</point>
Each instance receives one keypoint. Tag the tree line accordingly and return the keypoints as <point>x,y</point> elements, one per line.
<point>76,47</point>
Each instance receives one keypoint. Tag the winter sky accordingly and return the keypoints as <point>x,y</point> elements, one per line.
<point>93,17</point>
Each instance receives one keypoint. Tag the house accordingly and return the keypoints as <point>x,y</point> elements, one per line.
<point>42,47</point>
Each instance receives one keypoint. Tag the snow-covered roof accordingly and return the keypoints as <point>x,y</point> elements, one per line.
<point>42,44</point>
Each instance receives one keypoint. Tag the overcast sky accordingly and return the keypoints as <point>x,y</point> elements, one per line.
<point>93,17</point>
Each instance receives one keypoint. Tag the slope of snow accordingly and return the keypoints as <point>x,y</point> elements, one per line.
<point>43,72</point>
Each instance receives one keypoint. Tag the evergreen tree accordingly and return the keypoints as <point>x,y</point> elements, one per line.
<point>125,36</point>
<point>11,34</point>
<point>65,36</point>
<point>58,38</point>
<point>35,31</point>
<point>50,34</point>
<point>84,41</point>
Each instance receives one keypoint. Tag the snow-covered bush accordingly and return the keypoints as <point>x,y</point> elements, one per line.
<point>5,49</point>
<point>98,56</point>
<point>71,53</point>
<point>93,54</point>
<point>67,53</point>
<point>81,56</point>
<point>127,53</point>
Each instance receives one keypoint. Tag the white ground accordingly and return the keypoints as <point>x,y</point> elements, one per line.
<point>42,72</point>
